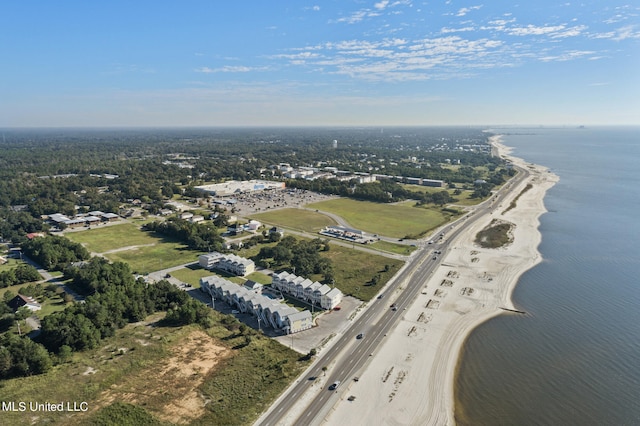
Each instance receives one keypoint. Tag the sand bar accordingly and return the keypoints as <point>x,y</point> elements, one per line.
<point>410,380</point>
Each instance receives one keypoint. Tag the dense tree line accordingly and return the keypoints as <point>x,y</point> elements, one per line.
<point>54,252</point>
<point>384,191</point>
<point>116,299</point>
<point>201,237</point>
<point>22,273</point>
<point>20,356</point>
<point>14,226</point>
<point>301,256</point>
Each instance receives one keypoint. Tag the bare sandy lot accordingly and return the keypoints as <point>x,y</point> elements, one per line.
<point>169,389</point>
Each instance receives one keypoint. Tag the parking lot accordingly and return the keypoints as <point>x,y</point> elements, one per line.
<point>255,202</point>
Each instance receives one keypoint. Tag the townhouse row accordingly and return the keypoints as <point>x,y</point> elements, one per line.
<point>271,312</point>
<point>304,289</point>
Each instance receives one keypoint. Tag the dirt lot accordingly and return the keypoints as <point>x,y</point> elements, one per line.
<point>170,389</point>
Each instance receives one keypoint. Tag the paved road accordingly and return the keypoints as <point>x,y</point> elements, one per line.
<point>349,355</point>
<point>50,279</point>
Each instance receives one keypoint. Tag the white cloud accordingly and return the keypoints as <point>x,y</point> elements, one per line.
<point>378,9</point>
<point>226,68</point>
<point>457,30</point>
<point>534,30</point>
<point>381,5</point>
<point>620,34</point>
<point>567,56</point>
<point>463,11</point>
<point>570,32</point>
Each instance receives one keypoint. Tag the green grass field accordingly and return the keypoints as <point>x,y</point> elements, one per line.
<point>463,198</point>
<point>297,219</point>
<point>152,254</point>
<point>393,220</point>
<point>10,264</point>
<point>191,275</point>
<point>144,260</point>
<point>354,269</point>
<point>100,240</point>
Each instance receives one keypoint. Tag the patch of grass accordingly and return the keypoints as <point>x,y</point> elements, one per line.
<point>298,219</point>
<point>120,413</point>
<point>392,247</point>
<point>10,264</point>
<point>259,277</point>
<point>463,199</point>
<point>513,203</point>
<point>51,305</point>
<point>496,234</point>
<point>354,271</point>
<point>100,240</point>
<point>247,383</point>
<point>144,260</point>
<point>191,275</point>
<point>394,220</point>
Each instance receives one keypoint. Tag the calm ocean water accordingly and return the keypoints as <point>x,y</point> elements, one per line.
<point>575,359</point>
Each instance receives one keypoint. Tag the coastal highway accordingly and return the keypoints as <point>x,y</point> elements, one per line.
<point>348,355</point>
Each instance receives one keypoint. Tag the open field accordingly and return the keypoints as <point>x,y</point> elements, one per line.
<point>222,375</point>
<point>354,270</point>
<point>146,259</point>
<point>397,220</point>
<point>297,219</point>
<point>100,240</point>
<point>463,198</point>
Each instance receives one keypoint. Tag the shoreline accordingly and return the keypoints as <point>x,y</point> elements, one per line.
<point>469,287</point>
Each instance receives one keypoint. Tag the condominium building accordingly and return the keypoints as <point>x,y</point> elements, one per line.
<point>304,289</point>
<point>270,312</point>
<point>230,263</point>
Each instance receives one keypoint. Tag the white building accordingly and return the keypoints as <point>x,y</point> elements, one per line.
<point>304,289</point>
<point>238,187</point>
<point>227,262</point>
<point>270,312</point>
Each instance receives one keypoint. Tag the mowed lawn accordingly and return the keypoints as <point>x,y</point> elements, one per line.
<point>144,251</point>
<point>392,220</point>
<point>298,219</point>
<point>100,240</point>
<point>162,255</point>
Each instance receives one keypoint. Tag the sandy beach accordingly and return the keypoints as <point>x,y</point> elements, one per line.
<point>410,379</point>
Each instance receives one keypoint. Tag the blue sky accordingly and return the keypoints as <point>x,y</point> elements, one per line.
<point>337,63</point>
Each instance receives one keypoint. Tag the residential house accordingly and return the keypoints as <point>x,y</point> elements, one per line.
<point>21,300</point>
